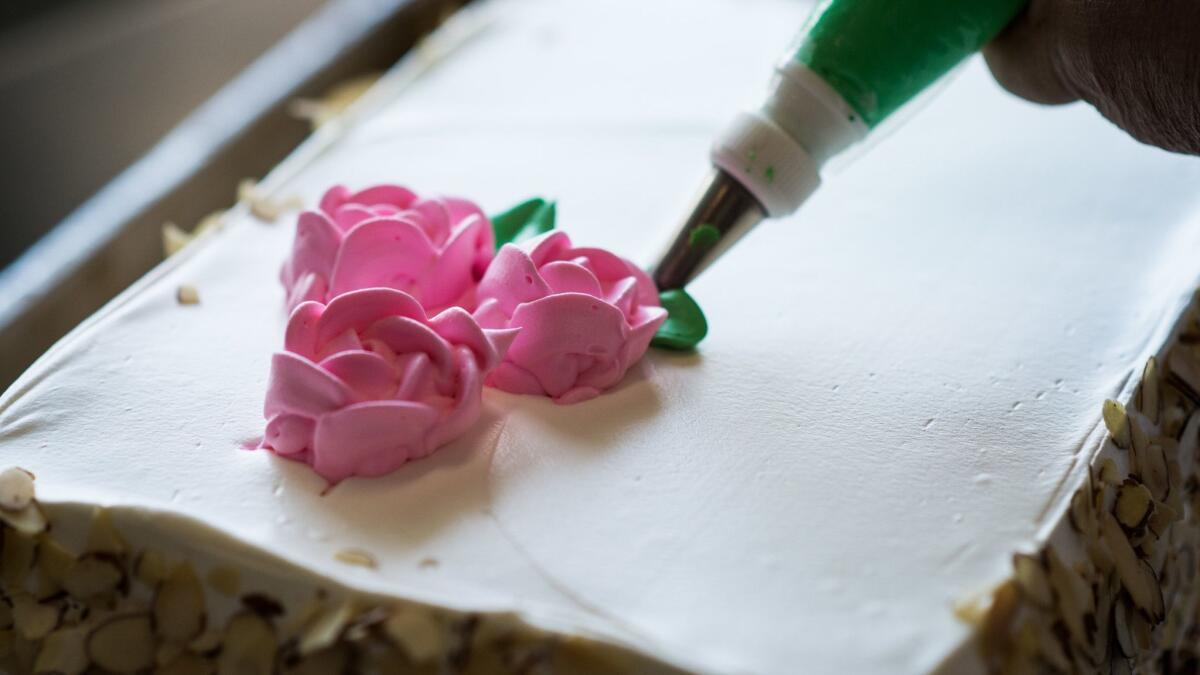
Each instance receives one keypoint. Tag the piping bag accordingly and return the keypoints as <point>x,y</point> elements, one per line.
<point>856,62</point>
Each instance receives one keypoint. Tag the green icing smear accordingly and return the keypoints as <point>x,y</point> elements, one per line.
<point>524,221</point>
<point>685,326</point>
<point>703,236</point>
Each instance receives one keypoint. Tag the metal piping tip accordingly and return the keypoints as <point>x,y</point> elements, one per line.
<point>723,213</point>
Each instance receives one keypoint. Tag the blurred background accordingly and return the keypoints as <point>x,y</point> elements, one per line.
<point>87,87</point>
<point>120,116</point>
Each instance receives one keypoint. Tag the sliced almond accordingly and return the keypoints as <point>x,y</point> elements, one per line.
<point>1149,390</point>
<point>249,646</point>
<point>1124,642</point>
<point>123,643</point>
<point>324,630</point>
<point>424,637</point>
<point>53,564</point>
<point>150,567</point>
<point>1139,438</point>
<point>1108,472</point>
<point>1134,504</point>
<point>1152,467</point>
<point>16,558</point>
<point>28,521</point>
<point>1032,580</point>
<point>93,575</point>
<point>1142,631</point>
<point>179,609</point>
<point>1135,578</point>
<point>361,625</point>
<point>330,660</point>
<point>1099,556</point>
<point>1106,592</point>
<point>1161,518</point>
<point>358,557</point>
<point>103,536</point>
<point>1118,423</point>
<point>1157,611</point>
<point>1080,515</point>
<point>62,652</point>
<point>1073,597</point>
<point>16,489</point>
<point>33,620</point>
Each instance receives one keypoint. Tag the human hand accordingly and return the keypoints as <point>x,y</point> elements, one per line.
<point>1137,62</point>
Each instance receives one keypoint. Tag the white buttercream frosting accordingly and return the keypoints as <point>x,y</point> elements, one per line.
<point>900,386</point>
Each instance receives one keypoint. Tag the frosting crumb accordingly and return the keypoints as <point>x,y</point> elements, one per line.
<point>187,294</point>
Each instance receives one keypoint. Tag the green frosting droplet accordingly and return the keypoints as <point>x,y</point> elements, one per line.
<point>523,221</point>
<point>770,174</point>
<point>685,326</point>
<point>703,236</point>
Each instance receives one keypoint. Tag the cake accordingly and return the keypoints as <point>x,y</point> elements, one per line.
<point>944,419</point>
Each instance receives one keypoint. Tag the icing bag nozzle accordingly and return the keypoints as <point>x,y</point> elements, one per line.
<point>760,171</point>
<point>723,213</point>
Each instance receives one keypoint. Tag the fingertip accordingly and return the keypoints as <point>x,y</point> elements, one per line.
<point>1023,56</point>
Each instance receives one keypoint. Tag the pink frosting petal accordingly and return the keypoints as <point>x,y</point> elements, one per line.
<point>547,247</point>
<point>568,277</point>
<point>308,288</point>
<point>434,219</point>
<point>458,327</point>
<point>346,217</point>
<point>388,252</point>
<point>359,309</point>
<point>289,434</point>
<point>393,195</point>
<point>317,239</point>
<point>512,378</point>
<point>467,400</point>
<point>490,315</point>
<point>301,334</point>
<point>405,335</point>
<point>438,254</point>
<point>585,316</point>
<point>333,198</point>
<point>345,341</point>
<point>371,439</point>
<point>455,269</point>
<point>418,376</point>
<point>512,279</point>
<point>557,330</point>
<point>368,374</point>
<point>623,295</point>
<point>606,266</point>
<point>300,387</point>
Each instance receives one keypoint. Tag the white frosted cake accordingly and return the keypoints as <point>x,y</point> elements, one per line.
<point>888,456</point>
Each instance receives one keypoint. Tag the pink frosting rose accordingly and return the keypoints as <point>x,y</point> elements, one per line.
<point>435,249</point>
<point>586,315</point>
<point>368,382</point>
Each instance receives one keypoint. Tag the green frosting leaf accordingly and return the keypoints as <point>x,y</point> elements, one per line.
<point>523,221</point>
<point>685,326</point>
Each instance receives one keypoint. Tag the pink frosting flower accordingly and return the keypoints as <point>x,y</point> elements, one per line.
<point>585,316</point>
<point>368,382</point>
<point>434,249</point>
